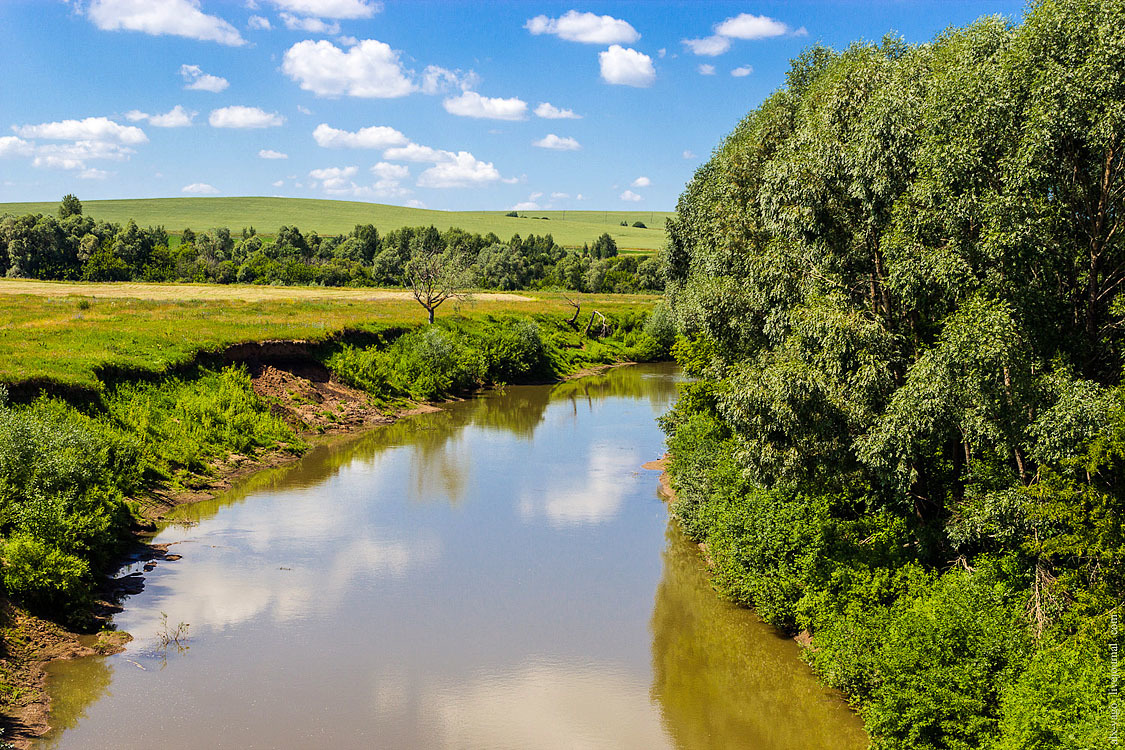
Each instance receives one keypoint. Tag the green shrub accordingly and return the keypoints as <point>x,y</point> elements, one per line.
<point>44,577</point>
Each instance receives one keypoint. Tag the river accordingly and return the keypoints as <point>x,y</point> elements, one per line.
<point>499,574</point>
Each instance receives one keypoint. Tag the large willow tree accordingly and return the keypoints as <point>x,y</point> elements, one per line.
<point>901,280</point>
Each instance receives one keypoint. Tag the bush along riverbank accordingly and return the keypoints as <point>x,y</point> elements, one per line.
<point>902,285</point>
<point>78,479</point>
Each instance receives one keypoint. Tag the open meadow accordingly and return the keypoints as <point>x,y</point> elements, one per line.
<point>328,217</point>
<point>62,333</point>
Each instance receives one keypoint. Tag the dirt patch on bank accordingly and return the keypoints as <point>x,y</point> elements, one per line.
<point>27,645</point>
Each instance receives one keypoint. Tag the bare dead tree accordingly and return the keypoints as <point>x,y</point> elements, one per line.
<point>577,305</point>
<point>604,327</point>
<point>435,275</point>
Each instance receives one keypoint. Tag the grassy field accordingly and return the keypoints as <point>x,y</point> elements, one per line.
<point>569,228</point>
<point>62,333</point>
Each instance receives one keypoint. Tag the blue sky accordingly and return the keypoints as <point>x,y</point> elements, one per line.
<point>448,105</point>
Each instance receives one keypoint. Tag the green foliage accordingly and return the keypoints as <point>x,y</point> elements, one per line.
<point>43,576</point>
<point>898,281</point>
<point>187,423</point>
<point>74,246</point>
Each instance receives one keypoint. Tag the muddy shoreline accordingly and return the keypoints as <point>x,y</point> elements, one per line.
<point>313,402</point>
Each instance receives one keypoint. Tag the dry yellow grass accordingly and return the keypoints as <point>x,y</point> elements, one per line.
<point>232,292</point>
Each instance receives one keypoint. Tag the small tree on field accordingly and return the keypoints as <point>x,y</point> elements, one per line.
<point>70,206</point>
<point>434,273</point>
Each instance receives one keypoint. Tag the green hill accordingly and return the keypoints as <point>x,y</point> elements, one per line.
<point>569,228</point>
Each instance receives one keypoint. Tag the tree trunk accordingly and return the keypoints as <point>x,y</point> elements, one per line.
<point>431,311</point>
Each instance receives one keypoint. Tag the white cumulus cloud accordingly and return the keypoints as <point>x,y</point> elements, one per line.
<point>177,117</point>
<point>626,67</point>
<point>238,116</point>
<point>472,104</point>
<point>89,129</point>
<point>584,27</point>
<point>93,174</point>
<point>10,145</point>
<point>549,111</point>
<point>742,72</point>
<point>629,195</point>
<point>437,80</point>
<point>526,206</point>
<point>706,70</point>
<point>331,8</point>
<point>749,26</point>
<point>160,17</point>
<point>688,154</point>
<point>196,80</point>
<point>311,25</point>
<point>556,143</point>
<point>641,182</point>
<point>461,170</point>
<point>199,188</point>
<point>417,153</point>
<point>376,136</point>
<point>709,46</point>
<point>370,69</point>
<point>259,23</point>
<point>269,153</point>
<point>386,171</point>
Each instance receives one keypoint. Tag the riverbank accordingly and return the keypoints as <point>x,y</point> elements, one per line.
<point>286,396</point>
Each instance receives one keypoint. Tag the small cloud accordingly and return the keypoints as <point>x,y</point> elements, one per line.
<point>331,8</point>
<point>626,67</point>
<point>749,26</point>
<point>706,70</point>
<point>347,41</point>
<point>93,174</point>
<point>472,104</point>
<point>199,188</point>
<point>370,69</point>
<point>439,80</point>
<point>641,182</point>
<point>415,204</point>
<point>376,136</point>
<point>580,197</point>
<point>196,80</point>
<point>266,153</point>
<point>177,117</point>
<point>559,196</point>
<point>549,111</point>
<point>166,17</point>
<point>661,53</point>
<point>556,143</point>
<point>12,146</point>
<point>709,46</point>
<point>460,170</point>
<point>310,25</point>
<point>387,171</point>
<point>100,129</point>
<point>279,183</point>
<point>742,72</point>
<point>526,206</point>
<point>239,116</point>
<point>629,195</point>
<point>304,110</point>
<point>688,154</point>
<point>258,24</point>
<point>589,28</point>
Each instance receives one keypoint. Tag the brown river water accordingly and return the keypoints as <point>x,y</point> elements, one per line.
<point>500,574</point>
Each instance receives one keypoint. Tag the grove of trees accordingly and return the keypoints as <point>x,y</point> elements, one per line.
<point>901,285</point>
<point>75,247</point>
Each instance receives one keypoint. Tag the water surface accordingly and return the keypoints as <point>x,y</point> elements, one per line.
<point>501,574</point>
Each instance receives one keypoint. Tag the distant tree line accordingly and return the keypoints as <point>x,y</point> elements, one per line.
<point>73,247</point>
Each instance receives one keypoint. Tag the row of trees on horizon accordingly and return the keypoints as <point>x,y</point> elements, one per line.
<point>72,246</point>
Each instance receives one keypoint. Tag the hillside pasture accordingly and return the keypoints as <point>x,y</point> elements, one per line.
<point>329,217</point>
